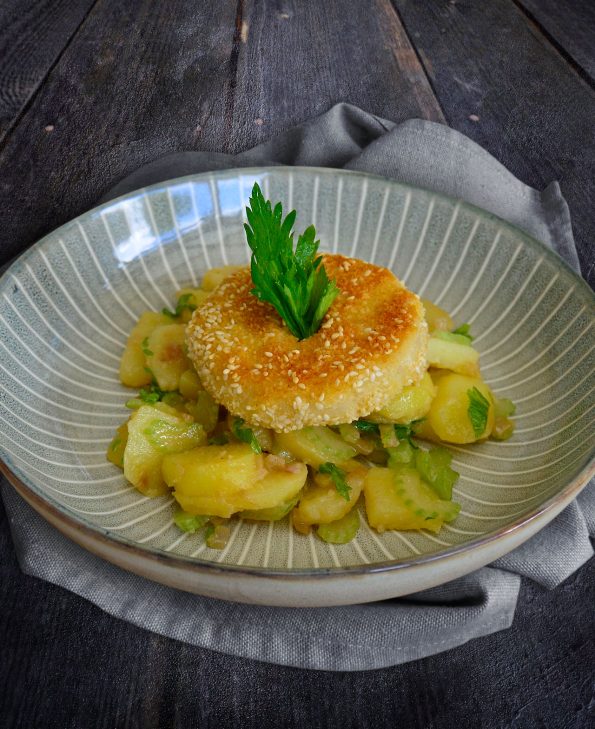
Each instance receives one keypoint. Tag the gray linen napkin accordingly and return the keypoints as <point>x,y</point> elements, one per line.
<point>356,637</point>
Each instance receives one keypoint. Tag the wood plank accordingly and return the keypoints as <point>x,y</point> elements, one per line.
<point>34,34</point>
<point>143,79</point>
<point>298,59</point>
<point>502,83</point>
<point>571,25</point>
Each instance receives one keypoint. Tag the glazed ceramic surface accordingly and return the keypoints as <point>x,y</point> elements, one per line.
<point>68,305</point>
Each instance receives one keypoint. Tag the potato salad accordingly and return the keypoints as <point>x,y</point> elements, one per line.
<point>304,387</point>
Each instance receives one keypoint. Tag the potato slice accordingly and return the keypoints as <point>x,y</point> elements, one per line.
<point>215,276</point>
<point>438,319</point>
<point>166,355</point>
<point>452,356</point>
<point>154,432</point>
<point>449,416</point>
<point>411,404</point>
<point>189,384</point>
<point>322,503</point>
<point>221,480</point>
<point>133,372</point>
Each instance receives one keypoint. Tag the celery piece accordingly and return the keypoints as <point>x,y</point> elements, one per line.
<point>189,522</point>
<point>134,403</point>
<point>274,513</point>
<point>434,467</point>
<point>452,337</point>
<point>388,436</point>
<point>166,435</point>
<point>421,498</point>
<point>504,408</point>
<point>403,453</point>
<point>341,531</point>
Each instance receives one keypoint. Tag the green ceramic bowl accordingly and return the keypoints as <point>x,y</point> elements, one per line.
<point>68,304</point>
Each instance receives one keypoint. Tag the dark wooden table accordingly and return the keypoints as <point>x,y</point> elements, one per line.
<point>92,89</point>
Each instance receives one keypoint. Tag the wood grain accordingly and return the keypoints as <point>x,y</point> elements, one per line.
<point>298,59</point>
<point>503,84</point>
<point>140,80</point>
<point>33,35</point>
<point>571,25</point>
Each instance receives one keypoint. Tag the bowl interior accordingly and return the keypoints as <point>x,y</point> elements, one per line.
<point>67,306</point>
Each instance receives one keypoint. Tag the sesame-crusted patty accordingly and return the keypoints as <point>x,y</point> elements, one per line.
<point>371,344</point>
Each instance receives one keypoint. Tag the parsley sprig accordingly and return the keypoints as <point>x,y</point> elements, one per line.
<point>294,282</point>
<point>337,477</point>
<point>245,434</point>
<point>477,411</point>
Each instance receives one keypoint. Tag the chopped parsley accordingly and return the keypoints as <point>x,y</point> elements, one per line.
<point>183,303</point>
<point>145,347</point>
<point>337,477</point>
<point>403,431</point>
<point>294,282</point>
<point>477,411</point>
<point>245,434</point>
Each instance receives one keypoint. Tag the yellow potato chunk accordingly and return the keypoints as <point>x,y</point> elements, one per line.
<point>438,319</point>
<point>115,450</point>
<point>411,404</point>
<point>220,480</point>
<point>189,385</point>
<point>386,508</point>
<point>453,356</point>
<point>215,276</point>
<point>323,504</point>
<point>154,432</point>
<point>133,364</point>
<point>450,418</point>
<point>166,355</point>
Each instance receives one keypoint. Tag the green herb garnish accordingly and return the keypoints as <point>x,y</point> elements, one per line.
<point>295,283</point>
<point>337,477</point>
<point>183,303</point>
<point>477,411</point>
<point>151,394</point>
<point>245,434</point>
<point>365,426</point>
<point>145,347</point>
<point>406,431</point>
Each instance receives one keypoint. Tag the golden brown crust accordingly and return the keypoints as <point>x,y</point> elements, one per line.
<point>371,344</point>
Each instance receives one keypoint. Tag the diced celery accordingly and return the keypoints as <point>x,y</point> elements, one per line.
<point>420,498</point>
<point>452,337</point>
<point>388,436</point>
<point>274,513</point>
<point>434,468</point>
<point>315,446</point>
<point>189,522</point>
<point>340,531</point>
<point>404,453</point>
<point>504,408</point>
